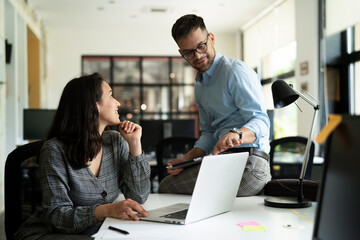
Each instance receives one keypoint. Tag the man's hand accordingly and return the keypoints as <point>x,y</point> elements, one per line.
<point>173,162</point>
<point>192,154</point>
<point>229,140</point>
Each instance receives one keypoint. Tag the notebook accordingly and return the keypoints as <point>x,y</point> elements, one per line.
<point>214,193</point>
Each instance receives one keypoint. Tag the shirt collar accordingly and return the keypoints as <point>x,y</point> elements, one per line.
<point>208,73</point>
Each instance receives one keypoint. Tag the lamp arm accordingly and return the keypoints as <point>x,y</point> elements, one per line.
<point>308,146</point>
<point>312,102</point>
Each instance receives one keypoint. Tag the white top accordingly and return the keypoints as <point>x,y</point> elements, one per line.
<point>280,223</point>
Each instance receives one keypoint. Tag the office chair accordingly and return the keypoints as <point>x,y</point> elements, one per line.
<point>170,148</point>
<point>286,158</point>
<point>287,155</point>
<point>22,186</point>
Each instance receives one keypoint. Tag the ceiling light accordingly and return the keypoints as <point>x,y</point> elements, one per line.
<point>158,10</point>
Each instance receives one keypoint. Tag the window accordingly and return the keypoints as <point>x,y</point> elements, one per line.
<point>148,87</point>
<point>357,88</point>
<point>280,64</point>
<point>357,70</point>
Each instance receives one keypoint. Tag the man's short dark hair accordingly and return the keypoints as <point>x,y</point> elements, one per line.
<point>187,23</point>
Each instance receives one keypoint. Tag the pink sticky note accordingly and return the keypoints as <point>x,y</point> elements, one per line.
<point>250,223</point>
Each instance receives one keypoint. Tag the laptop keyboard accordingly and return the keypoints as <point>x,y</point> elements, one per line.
<point>176,215</point>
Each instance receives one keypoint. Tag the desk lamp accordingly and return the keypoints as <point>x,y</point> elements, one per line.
<point>283,95</point>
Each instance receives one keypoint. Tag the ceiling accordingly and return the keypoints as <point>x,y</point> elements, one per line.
<point>226,16</point>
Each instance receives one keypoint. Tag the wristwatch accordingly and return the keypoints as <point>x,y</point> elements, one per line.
<point>238,131</point>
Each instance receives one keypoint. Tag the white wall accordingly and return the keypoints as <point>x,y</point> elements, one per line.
<point>279,28</point>
<point>65,48</point>
<point>15,17</point>
<point>307,51</point>
<point>274,30</point>
<point>16,76</point>
<point>341,15</point>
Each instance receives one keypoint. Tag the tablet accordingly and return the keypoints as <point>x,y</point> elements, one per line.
<point>186,164</point>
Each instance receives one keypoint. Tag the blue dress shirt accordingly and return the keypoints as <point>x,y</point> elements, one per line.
<point>228,95</point>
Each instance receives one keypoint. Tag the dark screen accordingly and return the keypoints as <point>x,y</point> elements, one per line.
<point>37,123</point>
<point>338,208</point>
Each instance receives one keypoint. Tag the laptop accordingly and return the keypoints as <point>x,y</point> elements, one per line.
<point>214,193</point>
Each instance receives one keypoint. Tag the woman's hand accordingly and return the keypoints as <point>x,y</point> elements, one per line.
<point>132,132</point>
<point>126,209</point>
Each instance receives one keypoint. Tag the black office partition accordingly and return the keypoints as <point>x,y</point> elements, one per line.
<point>338,210</point>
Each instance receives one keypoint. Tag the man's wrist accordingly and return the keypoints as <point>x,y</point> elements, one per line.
<point>238,131</point>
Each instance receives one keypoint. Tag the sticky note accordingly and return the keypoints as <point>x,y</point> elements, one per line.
<point>254,228</point>
<point>250,223</point>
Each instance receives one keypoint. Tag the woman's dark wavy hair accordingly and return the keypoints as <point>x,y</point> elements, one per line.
<point>184,25</point>
<point>76,122</point>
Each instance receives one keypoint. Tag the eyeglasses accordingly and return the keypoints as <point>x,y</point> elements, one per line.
<point>201,48</point>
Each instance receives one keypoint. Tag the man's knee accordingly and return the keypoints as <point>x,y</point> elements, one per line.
<point>165,184</point>
<point>255,177</point>
<point>183,183</point>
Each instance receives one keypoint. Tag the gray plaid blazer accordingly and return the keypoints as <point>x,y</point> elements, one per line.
<point>71,195</point>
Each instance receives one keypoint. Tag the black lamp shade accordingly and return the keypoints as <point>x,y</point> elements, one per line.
<point>283,94</point>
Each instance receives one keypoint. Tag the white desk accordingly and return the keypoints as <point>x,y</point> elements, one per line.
<point>279,223</point>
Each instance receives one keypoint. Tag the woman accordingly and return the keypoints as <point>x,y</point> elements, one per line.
<point>84,167</point>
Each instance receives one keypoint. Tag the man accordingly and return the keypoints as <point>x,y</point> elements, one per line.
<point>231,109</point>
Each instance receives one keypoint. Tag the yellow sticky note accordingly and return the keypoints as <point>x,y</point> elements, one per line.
<point>334,121</point>
<point>254,228</point>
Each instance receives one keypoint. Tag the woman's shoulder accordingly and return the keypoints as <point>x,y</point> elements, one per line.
<point>111,136</point>
<point>53,143</point>
<point>111,133</point>
<point>52,149</point>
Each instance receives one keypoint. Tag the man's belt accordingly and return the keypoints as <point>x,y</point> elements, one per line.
<point>250,150</point>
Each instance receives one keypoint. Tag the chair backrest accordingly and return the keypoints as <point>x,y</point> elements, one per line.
<point>22,187</point>
<point>170,148</point>
<point>287,155</point>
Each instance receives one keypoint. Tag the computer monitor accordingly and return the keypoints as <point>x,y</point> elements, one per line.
<point>338,210</point>
<point>153,131</point>
<point>37,123</point>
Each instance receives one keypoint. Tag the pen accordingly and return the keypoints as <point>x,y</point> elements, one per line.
<point>118,230</point>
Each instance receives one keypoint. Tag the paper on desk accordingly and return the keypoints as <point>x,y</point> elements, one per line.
<point>148,231</point>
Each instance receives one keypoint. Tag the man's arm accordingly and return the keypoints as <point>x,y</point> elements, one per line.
<point>245,88</point>
<point>231,139</point>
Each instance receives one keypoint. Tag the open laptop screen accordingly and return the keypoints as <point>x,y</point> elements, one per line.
<point>338,209</point>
